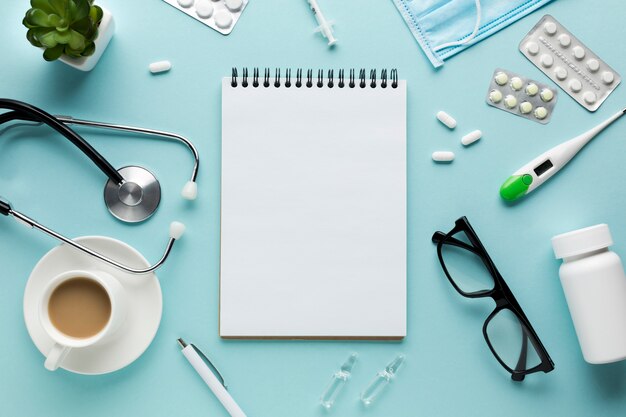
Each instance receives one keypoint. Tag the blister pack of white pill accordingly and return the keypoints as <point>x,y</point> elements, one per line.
<point>221,15</point>
<point>569,63</point>
<point>522,96</point>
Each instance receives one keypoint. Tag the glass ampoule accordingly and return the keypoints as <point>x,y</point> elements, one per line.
<point>337,382</point>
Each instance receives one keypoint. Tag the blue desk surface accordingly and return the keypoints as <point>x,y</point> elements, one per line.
<point>449,370</point>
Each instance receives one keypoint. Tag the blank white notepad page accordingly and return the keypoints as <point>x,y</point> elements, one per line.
<point>313,222</point>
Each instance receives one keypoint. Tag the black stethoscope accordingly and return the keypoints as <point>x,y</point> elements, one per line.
<point>132,193</point>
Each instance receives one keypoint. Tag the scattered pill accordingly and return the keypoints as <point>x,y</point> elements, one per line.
<point>501,78</point>
<point>223,19</point>
<point>579,52</point>
<point>547,60</point>
<point>516,83</point>
<point>160,66</point>
<point>532,48</point>
<point>593,65</point>
<point>471,137</point>
<point>204,8</point>
<point>565,40</point>
<point>541,113</point>
<point>234,5</point>
<point>510,101</point>
<point>550,28</point>
<point>446,119</point>
<point>575,85</point>
<point>560,73</point>
<point>532,89</point>
<point>443,156</point>
<point>525,107</point>
<point>185,3</point>
<point>495,96</point>
<point>608,77</point>
<point>590,97</point>
<point>546,94</point>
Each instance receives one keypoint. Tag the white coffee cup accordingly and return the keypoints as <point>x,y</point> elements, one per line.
<point>64,343</point>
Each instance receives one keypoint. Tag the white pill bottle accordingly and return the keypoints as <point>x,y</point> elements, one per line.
<point>594,284</point>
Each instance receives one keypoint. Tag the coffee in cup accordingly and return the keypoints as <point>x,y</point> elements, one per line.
<point>79,309</point>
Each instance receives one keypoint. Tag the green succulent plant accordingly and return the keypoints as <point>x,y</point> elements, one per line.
<point>63,27</point>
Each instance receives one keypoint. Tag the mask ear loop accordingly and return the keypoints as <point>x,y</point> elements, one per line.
<point>469,38</point>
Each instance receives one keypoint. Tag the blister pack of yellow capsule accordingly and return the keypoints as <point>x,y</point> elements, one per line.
<point>521,96</point>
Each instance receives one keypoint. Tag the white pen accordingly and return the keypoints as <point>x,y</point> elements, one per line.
<point>203,366</point>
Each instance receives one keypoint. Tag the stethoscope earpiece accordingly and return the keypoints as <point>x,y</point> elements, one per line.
<point>190,191</point>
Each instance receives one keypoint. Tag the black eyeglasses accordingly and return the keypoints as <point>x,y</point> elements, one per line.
<point>473,274</point>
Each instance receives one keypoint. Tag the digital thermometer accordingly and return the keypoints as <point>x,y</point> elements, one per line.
<point>543,167</point>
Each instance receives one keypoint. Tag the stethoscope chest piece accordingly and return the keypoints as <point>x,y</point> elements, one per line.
<point>137,198</point>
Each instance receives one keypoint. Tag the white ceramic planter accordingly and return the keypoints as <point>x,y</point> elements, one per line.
<point>105,33</point>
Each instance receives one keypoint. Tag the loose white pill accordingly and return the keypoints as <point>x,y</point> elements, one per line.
<point>495,96</point>
<point>471,137</point>
<point>525,107</point>
<point>185,3</point>
<point>510,101</point>
<point>501,78</point>
<point>546,60</point>
<point>578,52</point>
<point>550,28</point>
<point>575,85</point>
<point>204,8</point>
<point>590,97</point>
<point>446,119</point>
<point>443,156</point>
<point>223,19</point>
<point>593,65</point>
<point>532,48</point>
<point>560,73</point>
<point>160,66</point>
<point>532,89</point>
<point>516,83</point>
<point>541,113</point>
<point>546,94</point>
<point>565,40</point>
<point>608,77</point>
<point>234,5</point>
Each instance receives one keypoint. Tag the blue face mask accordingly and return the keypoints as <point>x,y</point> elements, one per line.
<point>444,28</point>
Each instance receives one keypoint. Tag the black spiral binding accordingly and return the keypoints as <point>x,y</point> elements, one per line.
<point>386,78</point>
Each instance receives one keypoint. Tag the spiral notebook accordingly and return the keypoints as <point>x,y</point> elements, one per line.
<point>313,222</point>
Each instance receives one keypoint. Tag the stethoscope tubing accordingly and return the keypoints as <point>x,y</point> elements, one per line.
<point>32,113</point>
<point>169,135</point>
<point>5,209</point>
<point>68,120</point>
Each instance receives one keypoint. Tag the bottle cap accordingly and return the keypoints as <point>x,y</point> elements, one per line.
<point>582,241</point>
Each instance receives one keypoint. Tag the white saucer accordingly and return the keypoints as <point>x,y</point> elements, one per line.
<point>144,310</point>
